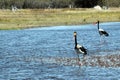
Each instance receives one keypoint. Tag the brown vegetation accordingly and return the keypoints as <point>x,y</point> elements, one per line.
<point>26,18</point>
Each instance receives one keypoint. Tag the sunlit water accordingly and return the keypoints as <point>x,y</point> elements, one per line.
<point>48,53</point>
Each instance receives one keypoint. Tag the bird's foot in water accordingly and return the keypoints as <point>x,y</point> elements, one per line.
<point>80,63</point>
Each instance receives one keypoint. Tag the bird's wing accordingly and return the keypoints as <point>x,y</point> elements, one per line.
<point>82,48</point>
<point>103,32</point>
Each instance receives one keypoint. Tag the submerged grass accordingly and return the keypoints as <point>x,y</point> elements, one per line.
<point>27,18</point>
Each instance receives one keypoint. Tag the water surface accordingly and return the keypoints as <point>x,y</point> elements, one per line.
<point>48,53</point>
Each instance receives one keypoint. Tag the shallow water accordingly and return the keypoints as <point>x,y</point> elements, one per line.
<point>48,53</point>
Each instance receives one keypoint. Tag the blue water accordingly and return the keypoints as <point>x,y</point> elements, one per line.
<point>29,54</point>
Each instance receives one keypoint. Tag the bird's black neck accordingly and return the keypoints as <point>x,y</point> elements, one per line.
<point>75,42</point>
<point>98,25</point>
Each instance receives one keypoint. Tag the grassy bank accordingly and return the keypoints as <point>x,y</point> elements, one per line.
<point>25,18</point>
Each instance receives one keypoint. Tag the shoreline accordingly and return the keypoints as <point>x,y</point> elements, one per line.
<point>33,18</point>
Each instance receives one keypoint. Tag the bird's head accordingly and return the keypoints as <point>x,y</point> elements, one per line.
<point>98,21</point>
<point>75,33</point>
<point>95,23</point>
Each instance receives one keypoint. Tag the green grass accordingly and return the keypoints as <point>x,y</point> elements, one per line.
<point>27,18</point>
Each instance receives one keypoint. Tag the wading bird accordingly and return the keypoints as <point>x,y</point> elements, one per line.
<point>101,31</point>
<point>78,47</point>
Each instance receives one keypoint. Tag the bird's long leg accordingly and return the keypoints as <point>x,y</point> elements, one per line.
<point>78,60</point>
<point>101,40</point>
<point>104,41</point>
<point>101,43</point>
<point>84,62</point>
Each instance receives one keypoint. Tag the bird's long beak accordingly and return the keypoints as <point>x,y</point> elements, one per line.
<point>95,23</point>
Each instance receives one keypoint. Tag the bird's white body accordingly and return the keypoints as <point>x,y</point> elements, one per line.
<point>80,48</point>
<point>101,30</point>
